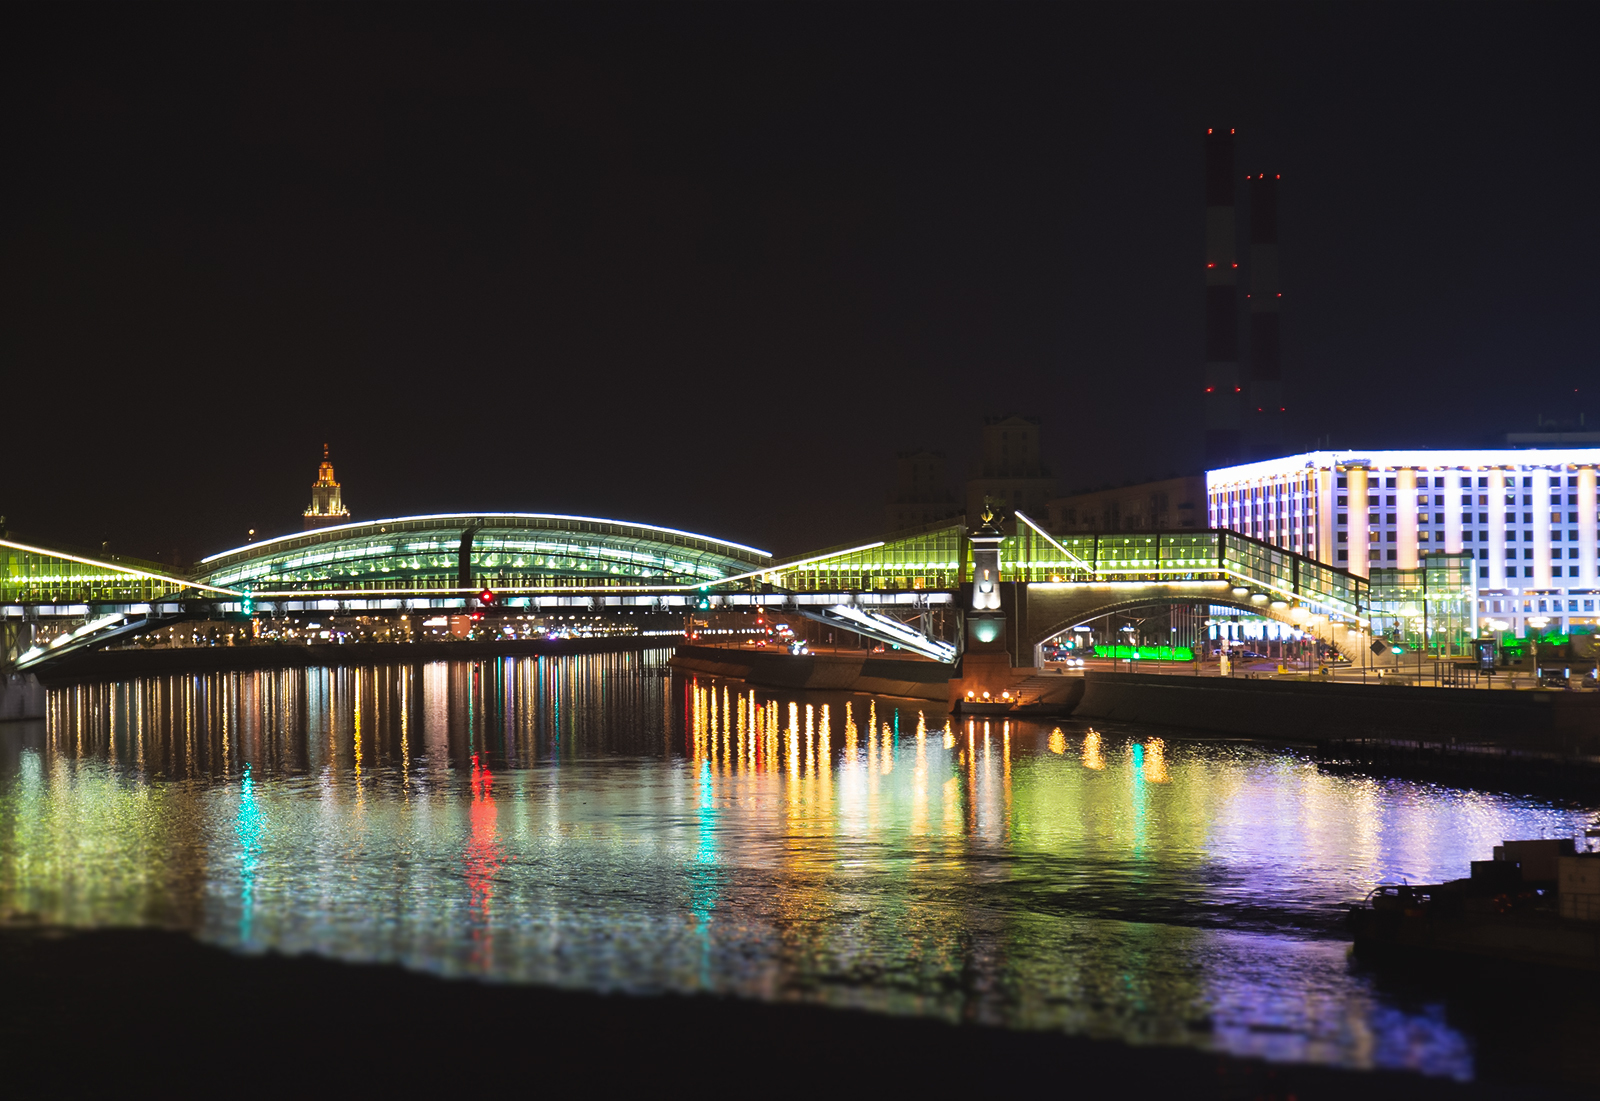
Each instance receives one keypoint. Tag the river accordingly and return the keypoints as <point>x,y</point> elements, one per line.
<point>597,822</point>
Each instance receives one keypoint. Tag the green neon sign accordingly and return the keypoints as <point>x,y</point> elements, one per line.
<point>1145,653</point>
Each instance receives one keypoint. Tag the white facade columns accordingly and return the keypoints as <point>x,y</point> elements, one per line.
<point>1589,520</point>
<point>1359,539</point>
<point>1406,519</point>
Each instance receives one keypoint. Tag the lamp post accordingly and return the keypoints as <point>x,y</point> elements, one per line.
<point>1536,624</point>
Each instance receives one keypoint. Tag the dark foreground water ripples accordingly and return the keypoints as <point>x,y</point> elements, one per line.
<point>591,822</point>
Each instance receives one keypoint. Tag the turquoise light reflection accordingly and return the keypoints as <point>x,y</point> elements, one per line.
<point>1141,799</point>
<point>702,872</point>
<point>249,827</point>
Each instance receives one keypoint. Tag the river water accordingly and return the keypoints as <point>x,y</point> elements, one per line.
<point>595,822</point>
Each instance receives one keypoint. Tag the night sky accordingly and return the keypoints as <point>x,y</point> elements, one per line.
<point>712,266</point>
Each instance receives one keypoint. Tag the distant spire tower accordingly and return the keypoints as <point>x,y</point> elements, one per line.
<point>327,505</point>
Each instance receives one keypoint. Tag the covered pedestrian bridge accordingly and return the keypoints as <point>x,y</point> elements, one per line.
<point>457,553</point>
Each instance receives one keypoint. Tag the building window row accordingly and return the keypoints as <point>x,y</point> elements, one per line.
<point>1556,481</point>
<point>1528,604</point>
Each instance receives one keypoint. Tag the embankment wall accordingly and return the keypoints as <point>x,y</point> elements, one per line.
<point>113,664</point>
<point>1544,721</point>
<point>21,697</point>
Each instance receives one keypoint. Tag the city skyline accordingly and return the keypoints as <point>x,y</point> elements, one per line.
<point>520,265</point>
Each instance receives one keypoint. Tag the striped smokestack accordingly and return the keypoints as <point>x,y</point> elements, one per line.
<point>1266,410</point>
<point>1223,395</point>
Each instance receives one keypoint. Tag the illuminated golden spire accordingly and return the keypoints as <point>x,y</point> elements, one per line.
<point>325,471</point>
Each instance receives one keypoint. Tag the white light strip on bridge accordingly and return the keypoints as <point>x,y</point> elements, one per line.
<point>518,590</point>
<point>779,567</point>
<point>178,581</point>
<point>1082,565</point>
<point>256,547</point>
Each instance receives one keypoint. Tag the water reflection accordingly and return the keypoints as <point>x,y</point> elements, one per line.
<point>591,822</point>
<point>248,827</point>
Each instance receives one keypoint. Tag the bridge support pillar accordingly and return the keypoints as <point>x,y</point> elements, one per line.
<point>994,618</point>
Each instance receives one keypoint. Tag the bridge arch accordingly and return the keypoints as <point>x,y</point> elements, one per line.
<point>1052,609</point>
<point>508,551</point>
<point>1266,611</point>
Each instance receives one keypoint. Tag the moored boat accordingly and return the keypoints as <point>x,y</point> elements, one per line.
<point>1537,901</point>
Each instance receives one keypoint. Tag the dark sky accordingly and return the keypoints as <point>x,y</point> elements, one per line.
<point>712,266</point>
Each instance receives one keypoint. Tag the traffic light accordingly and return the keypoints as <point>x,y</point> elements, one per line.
<point>248,603</point>
<point>486,597</point>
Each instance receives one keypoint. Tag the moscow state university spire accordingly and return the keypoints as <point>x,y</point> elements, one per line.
<point>327,506</point>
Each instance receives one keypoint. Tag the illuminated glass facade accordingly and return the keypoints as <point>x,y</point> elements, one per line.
<point>1434,602</point>
<point>508,552</point>
<point>927,559</point>
<point>941,558</point>
<point>1528,519</point>
<point>39,575</point>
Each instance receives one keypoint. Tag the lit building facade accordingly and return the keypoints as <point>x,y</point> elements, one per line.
<point>1527,519</point>
<point>327,505</point>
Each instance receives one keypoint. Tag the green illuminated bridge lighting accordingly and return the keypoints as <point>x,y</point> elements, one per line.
<point>450,554</point>
<point>548,560</point>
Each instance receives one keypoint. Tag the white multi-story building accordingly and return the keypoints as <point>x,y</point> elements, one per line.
<point>1527,516</point>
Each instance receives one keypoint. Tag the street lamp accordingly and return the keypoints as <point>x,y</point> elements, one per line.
<point>1538,623</point>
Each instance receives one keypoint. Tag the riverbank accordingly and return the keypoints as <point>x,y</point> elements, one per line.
<point>98,665</point>
<point>1532,742</point>
<point>98,1009</point>
<point>1549,722</point>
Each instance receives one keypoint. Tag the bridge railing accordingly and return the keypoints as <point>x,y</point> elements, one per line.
<point>1193,556</point>
<point>940,557</point>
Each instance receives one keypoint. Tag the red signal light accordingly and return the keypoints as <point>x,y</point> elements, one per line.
<point>486,597</point>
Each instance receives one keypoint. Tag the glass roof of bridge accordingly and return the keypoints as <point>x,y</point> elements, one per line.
<point>45,575</point>
<point>510,551</point>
